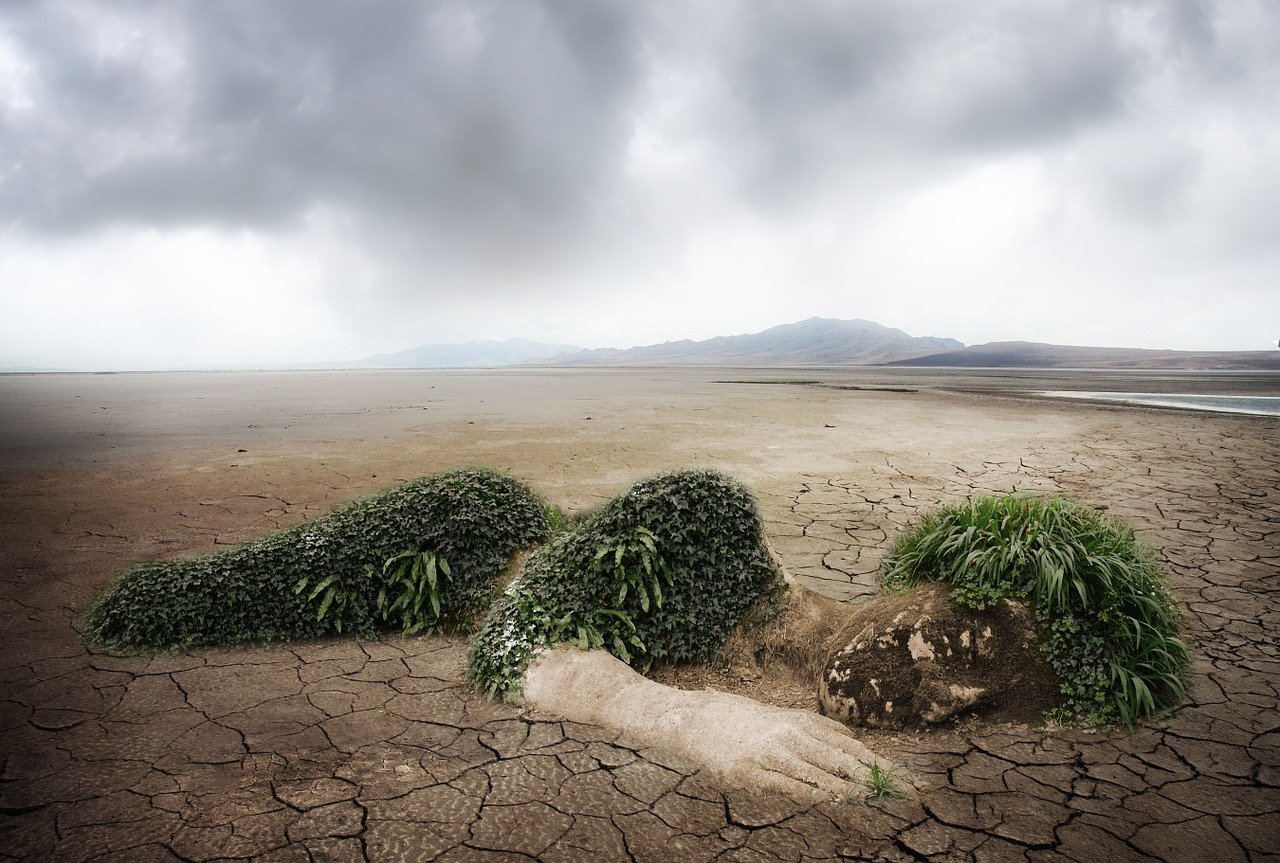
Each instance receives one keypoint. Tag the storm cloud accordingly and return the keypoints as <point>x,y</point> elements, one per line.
<point>549,169</point>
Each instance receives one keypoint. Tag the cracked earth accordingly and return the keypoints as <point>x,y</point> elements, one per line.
<point>347,750</point>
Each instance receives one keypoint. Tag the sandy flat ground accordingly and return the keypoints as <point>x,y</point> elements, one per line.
<point>342,750</point>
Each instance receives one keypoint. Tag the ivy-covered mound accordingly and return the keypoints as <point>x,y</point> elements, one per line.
<point>662,572</point>
<point>410,556</point>
<point>1109,626</point>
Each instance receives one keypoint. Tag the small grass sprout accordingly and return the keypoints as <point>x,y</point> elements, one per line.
<point>881,783</point>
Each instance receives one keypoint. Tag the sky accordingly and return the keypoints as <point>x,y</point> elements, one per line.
<point>220,182</point>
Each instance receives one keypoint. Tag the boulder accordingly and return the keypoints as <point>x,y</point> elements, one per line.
<point>917,658</point>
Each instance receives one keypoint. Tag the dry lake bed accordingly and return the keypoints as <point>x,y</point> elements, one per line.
<point>345,750</point>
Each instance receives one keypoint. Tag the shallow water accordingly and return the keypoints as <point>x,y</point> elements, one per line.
<point>1268,406</point>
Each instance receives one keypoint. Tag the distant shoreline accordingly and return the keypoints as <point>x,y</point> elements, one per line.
<point>1244,405</point>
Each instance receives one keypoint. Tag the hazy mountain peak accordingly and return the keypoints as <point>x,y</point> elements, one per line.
<point>814,341</point>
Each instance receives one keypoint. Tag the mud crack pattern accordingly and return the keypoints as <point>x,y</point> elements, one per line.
<point>344,750</point>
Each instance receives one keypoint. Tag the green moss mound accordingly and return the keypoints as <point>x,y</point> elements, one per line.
<point>1109,625</point>
<point>329,575</point>
<point>662,572</point>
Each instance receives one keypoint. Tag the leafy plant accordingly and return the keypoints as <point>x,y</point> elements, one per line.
<point>337,604</point>
<point>637,567</point>
<point>412,590</point>
<point>603,627</point>
<point>662,572</point>
<point>474,518</point>
<point>1109,625</point>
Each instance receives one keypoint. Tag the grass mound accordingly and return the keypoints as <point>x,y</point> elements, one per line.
<point>411,557</point>
<point>1110,627</point>
<point>663,571</point>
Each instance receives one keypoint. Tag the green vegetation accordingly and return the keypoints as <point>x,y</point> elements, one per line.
<point>1110,627</point>
<point>881,783</point>
<point>412,590</point>
<point>662,572</point>
<point>380,560</point>
<point>338,602</point>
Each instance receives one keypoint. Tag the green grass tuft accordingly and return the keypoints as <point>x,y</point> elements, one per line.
<point>880,783</point>
<point>1109,624</point>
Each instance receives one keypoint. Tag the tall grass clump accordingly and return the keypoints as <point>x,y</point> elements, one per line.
<point>1109,625</point>
<point>410,557</point>
<point>662,572</point>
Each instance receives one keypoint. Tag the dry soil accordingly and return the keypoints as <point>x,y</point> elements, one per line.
<point>342,750</point>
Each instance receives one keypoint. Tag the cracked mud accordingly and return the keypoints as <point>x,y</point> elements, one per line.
<point>346,750</point>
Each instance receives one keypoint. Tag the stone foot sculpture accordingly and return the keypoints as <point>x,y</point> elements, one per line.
<point>746,743</point>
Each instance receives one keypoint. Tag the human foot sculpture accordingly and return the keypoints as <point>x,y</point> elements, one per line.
<point>748,744</point>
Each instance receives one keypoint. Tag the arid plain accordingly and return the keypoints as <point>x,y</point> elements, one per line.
<point>345,750</point>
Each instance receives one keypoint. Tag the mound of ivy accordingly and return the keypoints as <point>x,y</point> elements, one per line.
<point>662,572</point>
<point>409,557</point>
<point>1109,626</point>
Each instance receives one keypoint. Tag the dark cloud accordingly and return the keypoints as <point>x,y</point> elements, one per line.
<point>1034,76</point>
<point>479,134</point>
<point>484,111</point>
<point>454,118</point>
<point>797,98</point>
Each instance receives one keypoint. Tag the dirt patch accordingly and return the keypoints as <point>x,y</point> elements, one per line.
<point>773,683</point>
<point>783,662</point>
<point>778,662</point>
<point>917,658</point>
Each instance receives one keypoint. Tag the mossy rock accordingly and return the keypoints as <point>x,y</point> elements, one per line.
<point>919,658</point>
<point>1109,626</point>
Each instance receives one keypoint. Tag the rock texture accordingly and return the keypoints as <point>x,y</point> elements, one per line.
<point>917,658</point>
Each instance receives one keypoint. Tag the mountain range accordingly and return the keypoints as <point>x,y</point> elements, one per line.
<point>812,342</point>
<point>815,342</point>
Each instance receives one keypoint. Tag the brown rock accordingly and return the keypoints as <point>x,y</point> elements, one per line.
<point>918,658</point>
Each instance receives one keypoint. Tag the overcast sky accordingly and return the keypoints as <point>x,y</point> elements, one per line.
<point>221,182</point>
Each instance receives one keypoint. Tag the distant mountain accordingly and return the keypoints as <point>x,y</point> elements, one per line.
<point>1040,355</point>
<point>477,353</point>
<point>815,342</point>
